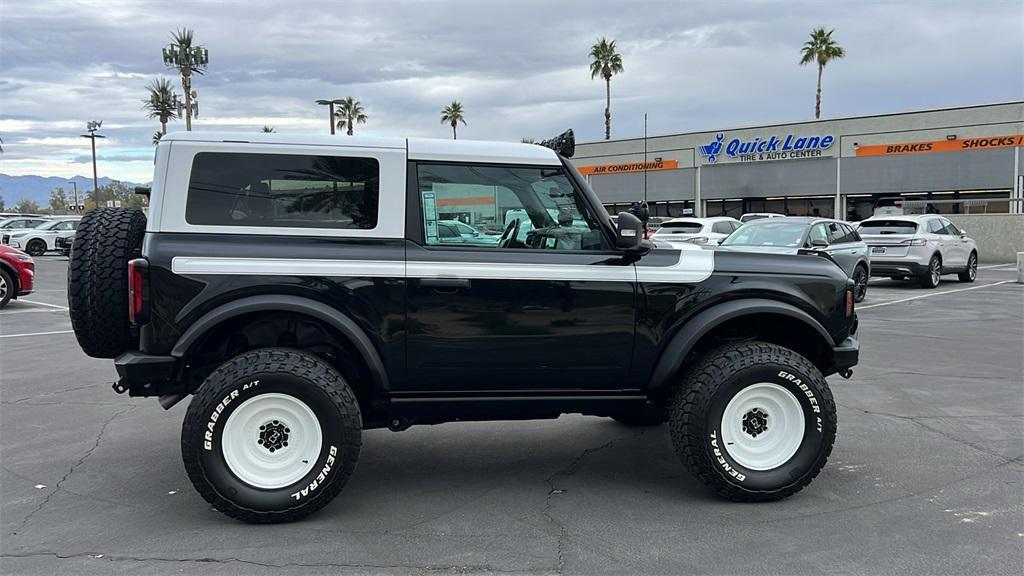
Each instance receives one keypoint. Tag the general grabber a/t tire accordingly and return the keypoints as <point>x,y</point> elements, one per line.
<point>754,421</point>
<point>272,435</point>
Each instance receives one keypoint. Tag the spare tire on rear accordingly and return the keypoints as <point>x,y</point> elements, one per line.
<point>106,239</point>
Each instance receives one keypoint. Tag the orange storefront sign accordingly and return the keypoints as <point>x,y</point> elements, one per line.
<point>956,145</point>
<point>627,167</point>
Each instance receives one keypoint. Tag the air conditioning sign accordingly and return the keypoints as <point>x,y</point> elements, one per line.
<point>785,147</point>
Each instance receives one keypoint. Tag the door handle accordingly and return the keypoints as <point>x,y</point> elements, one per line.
<point>446,285</point>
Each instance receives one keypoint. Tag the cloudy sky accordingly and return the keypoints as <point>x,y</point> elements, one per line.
<point>518,67</point>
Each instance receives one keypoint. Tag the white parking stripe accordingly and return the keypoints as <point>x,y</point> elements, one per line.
<point>933,294</point>
<point>996,266</point>
<point>43,304</point>
<point>37,334</point>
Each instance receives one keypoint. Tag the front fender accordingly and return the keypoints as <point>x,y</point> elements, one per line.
<point>680,345</point>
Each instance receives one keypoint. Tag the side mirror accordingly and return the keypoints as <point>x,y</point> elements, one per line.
<point>819,243</point>
<point>630,232</point>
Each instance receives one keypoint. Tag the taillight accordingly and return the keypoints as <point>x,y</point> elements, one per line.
<point>915,242</point>
<point>137,271</point>
<point>697,240</point>
<point>849,303</point>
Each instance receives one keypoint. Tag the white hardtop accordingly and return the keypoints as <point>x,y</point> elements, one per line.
<point>904,217</point>
<point>417,148</point>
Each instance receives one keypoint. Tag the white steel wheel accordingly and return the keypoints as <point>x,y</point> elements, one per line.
<point>271,441</point>
<point>762,426</point>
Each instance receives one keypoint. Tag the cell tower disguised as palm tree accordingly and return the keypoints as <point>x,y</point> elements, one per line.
<point>162,103</point>
<point>187,59</point>
<point>821,48</point>
<point>350,111</point>
<point>453,114</point>
<point>605,61</point>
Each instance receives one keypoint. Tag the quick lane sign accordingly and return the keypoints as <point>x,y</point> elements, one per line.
<point>627,167</point>
<point>773,147</point>
<point>955,145</point>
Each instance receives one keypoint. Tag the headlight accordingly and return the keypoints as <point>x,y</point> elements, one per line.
<point>19,234</point>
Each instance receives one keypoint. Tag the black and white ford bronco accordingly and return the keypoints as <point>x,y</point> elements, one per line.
<point>303,289</point>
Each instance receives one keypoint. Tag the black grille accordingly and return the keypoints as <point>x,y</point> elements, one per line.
<point>6,238</point>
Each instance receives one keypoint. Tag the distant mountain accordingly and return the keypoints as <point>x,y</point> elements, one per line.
<point>37,188</point>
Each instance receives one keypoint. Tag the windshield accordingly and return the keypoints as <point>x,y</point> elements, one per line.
<point>789,234</point>
<point>680,228</point>
<point>49,225</point>
<point>888,227</point>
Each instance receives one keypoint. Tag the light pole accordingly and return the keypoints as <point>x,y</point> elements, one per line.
<point>186,58</point>
<point>330,103</point>
<point>75,184</point>
<point>92,127</point>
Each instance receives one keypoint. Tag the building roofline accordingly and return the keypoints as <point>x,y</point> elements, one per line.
<point>804,122</point>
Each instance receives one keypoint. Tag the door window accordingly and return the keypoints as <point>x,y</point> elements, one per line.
<point>497,207</point>
<point>936,227</point>
<point>949,228</point>
<point>818,234</point>
<point>836,234</point>
<point>723,228</point>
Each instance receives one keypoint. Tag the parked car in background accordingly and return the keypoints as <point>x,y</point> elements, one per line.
<point>796,235</point>
<point>922,246</point>
<point>17,274</point>
<point>654,224</point>
<point>41,239</point>
<point>751,216</point>
<point>64,242</point>
<point>469,233</point>
<point>20,222</point>
<point>697,230</point>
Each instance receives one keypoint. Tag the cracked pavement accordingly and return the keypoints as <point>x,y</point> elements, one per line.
<point>927,476</point>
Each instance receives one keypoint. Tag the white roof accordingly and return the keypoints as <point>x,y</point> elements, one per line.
<point>418,148</point>
<point>700,220</point>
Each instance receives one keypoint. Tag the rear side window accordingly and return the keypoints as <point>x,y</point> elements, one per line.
<point>888,227</point>
<point>723,228</point>
<point>283,190</point>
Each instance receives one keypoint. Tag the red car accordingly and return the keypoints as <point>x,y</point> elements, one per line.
<point>17,273</point>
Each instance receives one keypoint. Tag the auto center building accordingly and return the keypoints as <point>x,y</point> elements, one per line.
<point>953,161</point>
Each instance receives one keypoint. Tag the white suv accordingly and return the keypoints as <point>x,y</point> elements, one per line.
<point>697,230</point>
<point>923,246</point>
<point>43,238</point>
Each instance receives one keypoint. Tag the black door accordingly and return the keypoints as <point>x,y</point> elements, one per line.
<point>547,306</point>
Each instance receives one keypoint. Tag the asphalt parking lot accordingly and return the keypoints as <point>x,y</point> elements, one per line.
<point>927,475</point>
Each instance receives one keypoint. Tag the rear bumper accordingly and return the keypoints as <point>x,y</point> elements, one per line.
<point>896,268</point>
<point>147,375</point>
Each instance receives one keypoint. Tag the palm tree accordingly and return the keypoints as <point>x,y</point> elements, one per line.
<point>330,111</point>
<point>453,114</point>
<point>822,49</point>
<point>350,111</point>
<point>157,136</point>
<point>605,61</point>
<point>267,129</point>
<point>187,60</point>
<point>162,102</point>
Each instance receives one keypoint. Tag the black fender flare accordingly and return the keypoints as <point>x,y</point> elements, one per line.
<point>327,314</point>
<point>686,338</point>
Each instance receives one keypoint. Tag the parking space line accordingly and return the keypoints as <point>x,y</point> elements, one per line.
<point>44,304</point>
<point>989,266</point>
<point>29,311</point>
<point>933,294</point>
<point>37,334</point>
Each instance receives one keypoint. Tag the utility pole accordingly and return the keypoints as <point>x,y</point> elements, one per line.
<point>330,103</point>
<point>92,127</point>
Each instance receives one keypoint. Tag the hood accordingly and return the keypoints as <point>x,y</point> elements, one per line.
<point>763,249</point>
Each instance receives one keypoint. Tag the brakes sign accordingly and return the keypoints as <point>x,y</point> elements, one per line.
<point>954,145</point>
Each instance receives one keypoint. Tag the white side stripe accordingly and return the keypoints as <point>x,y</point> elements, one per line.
<point>287,267</point>
<point>516,271</point>
<point>693,266</point>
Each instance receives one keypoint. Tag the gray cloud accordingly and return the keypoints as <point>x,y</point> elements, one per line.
<point>520,68</point>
